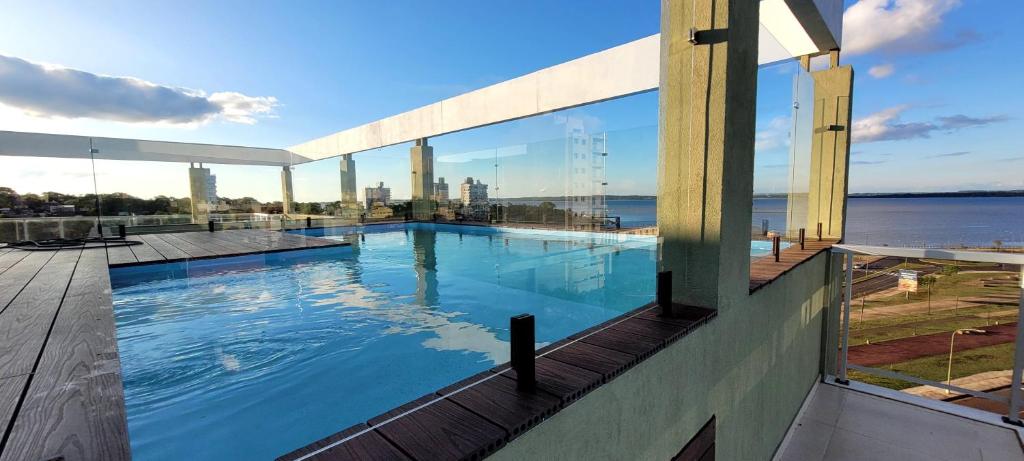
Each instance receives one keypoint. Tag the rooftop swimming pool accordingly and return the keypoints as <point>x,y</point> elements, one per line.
<point>251,357</point>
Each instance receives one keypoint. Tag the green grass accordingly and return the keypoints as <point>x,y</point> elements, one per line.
<point>908,326</point>
<point>965,363</point>
<point>948,287</point>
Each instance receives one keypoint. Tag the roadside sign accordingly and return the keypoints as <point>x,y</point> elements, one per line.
<point>908,281</point>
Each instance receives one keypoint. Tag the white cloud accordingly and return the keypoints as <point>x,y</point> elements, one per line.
<point>239,108</point>
<point>886,125</point>
<point>881,71</point>
<point>896,24</point>
<point>57,92</point>
<point>775,135</point>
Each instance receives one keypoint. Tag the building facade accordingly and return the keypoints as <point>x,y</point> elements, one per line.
<point>377,195</point>
<point>441,190</point>
<point>473,194</point>
<point>585,156</point>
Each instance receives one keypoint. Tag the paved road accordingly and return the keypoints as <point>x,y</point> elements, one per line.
<point>882,282</point>
<point>987,405</point>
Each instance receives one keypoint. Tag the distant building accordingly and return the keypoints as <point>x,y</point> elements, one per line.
<point>381,212</point>
<point>474,194</point>
<point>379,195</point>
<point>62,210</point>
<point>585,157</point>
<point>441,190</point>
<point>211,189</point>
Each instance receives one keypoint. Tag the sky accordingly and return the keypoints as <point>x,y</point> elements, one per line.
<point>936,100</point>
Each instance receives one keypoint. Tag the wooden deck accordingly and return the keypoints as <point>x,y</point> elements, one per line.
<point>478,415</point>
<point>764,270</point>
<point>61,395</point>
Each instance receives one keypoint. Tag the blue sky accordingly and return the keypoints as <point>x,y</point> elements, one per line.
<point>937,96</point>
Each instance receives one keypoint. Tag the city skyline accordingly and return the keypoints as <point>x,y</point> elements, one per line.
<point>922,125</point>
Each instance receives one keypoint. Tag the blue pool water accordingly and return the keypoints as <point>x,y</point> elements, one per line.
<point>252,357</point>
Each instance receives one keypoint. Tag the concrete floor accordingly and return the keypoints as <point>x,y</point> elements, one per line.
<point>839,424</point>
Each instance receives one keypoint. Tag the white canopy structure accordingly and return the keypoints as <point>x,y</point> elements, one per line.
<point>788,29</point>
<point>70,146</point>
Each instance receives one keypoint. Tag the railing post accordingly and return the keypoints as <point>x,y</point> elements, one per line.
<point>803,237</point>
<point>1013,415</point>
<point>523,352</point>
<point>663,295</point>
<point>847,299</point>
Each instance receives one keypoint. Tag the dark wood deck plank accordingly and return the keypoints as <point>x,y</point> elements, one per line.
<point>660,331</point>
<point>10,394</point>
<point>215,246</point>
<point>26,321</point>
<point>366,446</point>
<point>764,269</point>
<point>11,257</point>
<point>606,362</point>
<point>498,401</point>
<point>120,255</point>
<point>167,251</point>
<point>239,239</point>
<point>143,251</point>
<point>189,248</point>
<point>640,346</point>
<point>13,280</point>
<point>74,408</point>
<point>443,430</point>
<point>564,381</point>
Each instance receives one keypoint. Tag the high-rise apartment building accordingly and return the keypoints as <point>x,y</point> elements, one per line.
<point>377,195</point>
<point>441,190</point>
<point>473,194</point>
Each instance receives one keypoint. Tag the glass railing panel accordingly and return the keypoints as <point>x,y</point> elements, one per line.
<point>935,328</point>
<point>46,198</point>
<point>782,150</point>
<point>151,197</point>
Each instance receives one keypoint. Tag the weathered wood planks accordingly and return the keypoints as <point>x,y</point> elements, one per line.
<point>74,407</point>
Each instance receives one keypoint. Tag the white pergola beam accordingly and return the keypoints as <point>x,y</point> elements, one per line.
<point>788,29</point>
<point>20,144</point>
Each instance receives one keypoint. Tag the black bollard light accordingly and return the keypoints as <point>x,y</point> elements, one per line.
<point>209,225</point>
<point>776,246</point>
<point>523,352</point>
<point>803,237</point>
<point>309,222</point>
<point>121,231</point>
<point>663,296</point>
<point>819,232</point>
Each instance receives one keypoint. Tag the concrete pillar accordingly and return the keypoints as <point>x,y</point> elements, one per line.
<point>706,156</point>
<point>348,180</point>
<point>830,151</point>
<point>287,194</point>
<point>421,161</point>
<point>349,201</point>
<point>198,193</point>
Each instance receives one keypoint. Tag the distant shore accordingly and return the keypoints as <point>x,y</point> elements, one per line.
<point>966,193</point>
